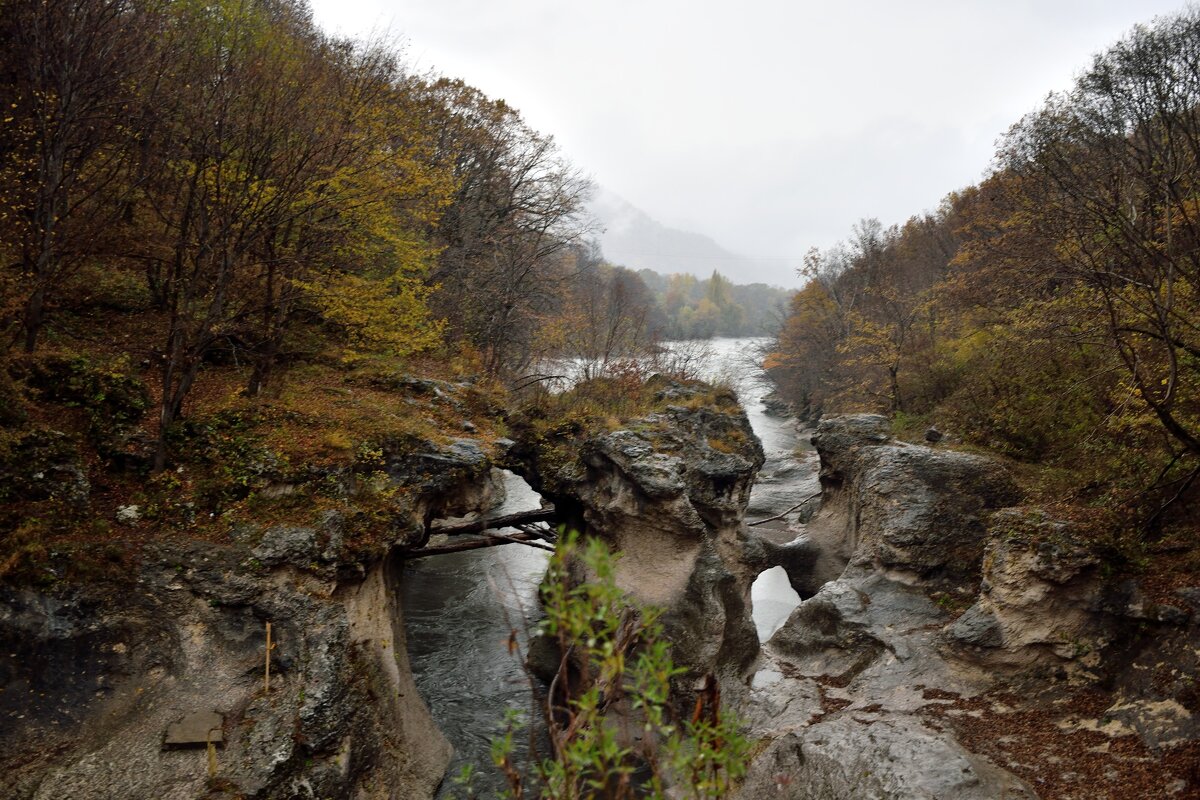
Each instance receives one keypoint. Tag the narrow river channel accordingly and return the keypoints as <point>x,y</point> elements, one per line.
<point>460,608</point>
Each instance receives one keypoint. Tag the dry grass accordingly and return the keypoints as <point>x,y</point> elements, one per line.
<point>324,413</point>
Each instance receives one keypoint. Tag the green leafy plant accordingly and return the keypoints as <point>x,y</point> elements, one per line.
<point>609,708</point>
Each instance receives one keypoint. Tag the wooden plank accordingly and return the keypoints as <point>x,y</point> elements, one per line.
<point>195,730</point>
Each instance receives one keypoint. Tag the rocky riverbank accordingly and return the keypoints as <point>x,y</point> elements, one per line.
<point>950,643</point>
<point>1056,681</point>
<point>112,688</point>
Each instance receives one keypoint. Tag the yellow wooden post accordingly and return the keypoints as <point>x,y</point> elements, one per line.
<point>267,669</point>
<point>212,757</point>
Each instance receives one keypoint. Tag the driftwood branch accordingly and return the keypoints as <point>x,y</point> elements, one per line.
<point>784,514</point>
<point>529,380</point>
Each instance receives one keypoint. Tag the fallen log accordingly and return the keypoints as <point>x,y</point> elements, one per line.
<point>784,514</point>
<point>488,523</point>
<point>490,540</point>
<point>544,533</point>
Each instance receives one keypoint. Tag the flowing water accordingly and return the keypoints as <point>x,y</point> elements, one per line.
<point>460,608</point>
<point>459,611</point>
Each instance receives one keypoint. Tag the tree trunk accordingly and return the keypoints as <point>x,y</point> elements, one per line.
<point>34,314</point>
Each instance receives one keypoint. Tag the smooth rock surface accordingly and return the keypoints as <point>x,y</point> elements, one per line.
<point>875,757</point>
<point>841,687</point>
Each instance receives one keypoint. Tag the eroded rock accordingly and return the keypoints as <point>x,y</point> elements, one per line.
<point>917,513</point>
<point>93,680</point>
<point>93,676</point>
<point>1042,596</point>
<point>668,491</point>
<point>843,685</point>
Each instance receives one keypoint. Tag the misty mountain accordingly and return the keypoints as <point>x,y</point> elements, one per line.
<point>634,239</point>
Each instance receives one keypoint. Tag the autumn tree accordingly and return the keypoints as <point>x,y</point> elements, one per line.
<point>609,315</point>
<point>1110,175</point>
<point>507,234</point>
<point>804,360</point>
<point>67,71</point>
<point>277,171</point>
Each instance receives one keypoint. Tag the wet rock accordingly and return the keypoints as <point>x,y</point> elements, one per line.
<point>839,439</point>
<point>92,681</point>
<point>895,522</point>
<point>668,492</point>
<point>868,644</point>
<point>874,636</point>
<point>978,628</point>
<point>776,405</point>
<point>822,638</point>
<point>448,480</point>
<point>908,509</point>
<point>1041,600</point>
<point>876,757</point>
<point>777,705</point>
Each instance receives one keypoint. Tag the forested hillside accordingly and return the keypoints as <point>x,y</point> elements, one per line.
<point>1051,312</point>
<point>191,184</point>
<point>234,248</point>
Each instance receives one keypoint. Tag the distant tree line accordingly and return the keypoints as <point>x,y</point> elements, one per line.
<point>700,308</point>
<point>1053,311</point>
<point>610,313</point>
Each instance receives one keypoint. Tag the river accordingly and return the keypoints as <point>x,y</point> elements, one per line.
<point>460,608</point>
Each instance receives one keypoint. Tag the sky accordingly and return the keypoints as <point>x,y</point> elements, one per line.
<point>770,126</point>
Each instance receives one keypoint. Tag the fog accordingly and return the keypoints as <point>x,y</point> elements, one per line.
<point>768,126</point>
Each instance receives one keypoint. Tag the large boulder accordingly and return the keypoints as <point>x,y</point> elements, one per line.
<point>915,512</point>
<point>1040,598</point>
<point>1048,605</point>
<point>668,492</point>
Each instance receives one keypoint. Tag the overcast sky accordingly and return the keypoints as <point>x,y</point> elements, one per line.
<point>771,126</point>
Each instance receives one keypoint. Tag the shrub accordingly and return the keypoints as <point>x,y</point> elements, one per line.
<point>609,706</point>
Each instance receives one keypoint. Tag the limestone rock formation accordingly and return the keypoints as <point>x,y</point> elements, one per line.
<point>863,690</point>
<point>845,686</point>
<point>668,491</point>
<point>916,513</point>
<point>1041,598</point>
<point>93,675</point>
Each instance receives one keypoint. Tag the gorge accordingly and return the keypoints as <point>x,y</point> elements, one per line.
<point>931,606</point>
